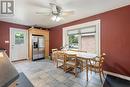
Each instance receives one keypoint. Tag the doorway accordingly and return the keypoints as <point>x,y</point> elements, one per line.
<point>18,44</point>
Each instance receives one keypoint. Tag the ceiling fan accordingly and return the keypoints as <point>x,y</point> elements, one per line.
<point>56,12</point>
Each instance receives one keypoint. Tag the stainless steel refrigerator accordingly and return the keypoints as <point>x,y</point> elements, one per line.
<point>38,47</point>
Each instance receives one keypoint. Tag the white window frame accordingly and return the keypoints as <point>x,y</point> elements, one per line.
<point>87,24</point>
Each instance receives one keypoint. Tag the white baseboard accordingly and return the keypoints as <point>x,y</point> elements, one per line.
<point>118,75</point>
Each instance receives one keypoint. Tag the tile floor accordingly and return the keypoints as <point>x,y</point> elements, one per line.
<point>43,73</point>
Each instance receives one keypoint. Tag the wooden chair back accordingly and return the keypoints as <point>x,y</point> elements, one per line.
<point>101,60</point>
<point>52,50</point>
<point>71,63</point>
<point>60,55</point>
<point>70,57</point>
<point>98,60</point>
<point>54,55</point>
<point>96,65</point>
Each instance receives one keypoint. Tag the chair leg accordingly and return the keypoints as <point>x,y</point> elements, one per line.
<point>100,74</point>
<point>57,64</point>
<point>75,71</point>
<point>54,60</point>
<point>65,68</point>
<point>87,72</point>
<point>81,65</point>
<point>91,69</point>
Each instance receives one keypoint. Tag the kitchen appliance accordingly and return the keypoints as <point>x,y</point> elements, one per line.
<point>38,47</point>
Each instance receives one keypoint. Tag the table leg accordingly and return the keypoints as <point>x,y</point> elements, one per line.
<point>87,69</point>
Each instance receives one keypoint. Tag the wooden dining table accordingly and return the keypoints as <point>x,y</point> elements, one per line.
<point>83,55</point>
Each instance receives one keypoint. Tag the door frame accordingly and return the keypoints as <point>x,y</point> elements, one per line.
<point>10,50</point>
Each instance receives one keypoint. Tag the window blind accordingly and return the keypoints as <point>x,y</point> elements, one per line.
<point>72,32</point>
<point>91,29</point>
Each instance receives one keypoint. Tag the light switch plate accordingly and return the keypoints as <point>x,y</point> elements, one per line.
<point>7,41</point>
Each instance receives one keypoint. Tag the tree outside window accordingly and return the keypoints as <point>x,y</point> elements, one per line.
<point>73,42</point>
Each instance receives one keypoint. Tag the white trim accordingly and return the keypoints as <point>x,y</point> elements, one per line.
<point>91,23</point>
<point>88,34</point>
<point>11,28</point>
<point>117,75</point>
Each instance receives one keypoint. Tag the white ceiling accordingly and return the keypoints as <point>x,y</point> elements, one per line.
<point>25,10</point>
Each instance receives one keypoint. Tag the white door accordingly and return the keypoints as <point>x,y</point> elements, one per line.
<point>18,44</point>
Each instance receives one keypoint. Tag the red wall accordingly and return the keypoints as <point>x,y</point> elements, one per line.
<point>115,42</point>
<point>5,35</point>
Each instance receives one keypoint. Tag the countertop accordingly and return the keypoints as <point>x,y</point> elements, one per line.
<point>8,73</point>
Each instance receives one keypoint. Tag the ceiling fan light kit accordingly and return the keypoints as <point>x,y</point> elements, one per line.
<point>56,18</point>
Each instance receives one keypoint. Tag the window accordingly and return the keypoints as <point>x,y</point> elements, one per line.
<point>73,42</point>
<point>84,37</point>
<point>19,38</point>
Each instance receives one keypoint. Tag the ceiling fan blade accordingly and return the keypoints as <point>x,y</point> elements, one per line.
<point>44,13</point>
<point>67,13</point>
<point>40,5</point>
<point>51,4</point>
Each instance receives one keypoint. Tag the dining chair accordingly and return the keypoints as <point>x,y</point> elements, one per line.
<point>60,60</point>
<point>71,63</point>
<point>53,55</point>
<point>96,65</point>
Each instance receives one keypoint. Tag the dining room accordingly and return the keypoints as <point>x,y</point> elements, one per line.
<point>70,43</point>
